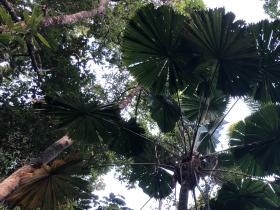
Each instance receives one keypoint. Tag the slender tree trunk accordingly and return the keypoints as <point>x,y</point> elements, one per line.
<point>11,183</point>
<point>183,197</point>
<point>160,204</point>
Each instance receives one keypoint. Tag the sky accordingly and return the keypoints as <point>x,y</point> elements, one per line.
<point>249,10</point>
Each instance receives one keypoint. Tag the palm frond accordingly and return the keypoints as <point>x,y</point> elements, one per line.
<point>266,34</point>
<point>165,112</point>
<point>227,53</point>
<point>50,186</point>
<point>245,194</point>
<point>255,141</point>
<point>85,121</point>
<point>153,48</point>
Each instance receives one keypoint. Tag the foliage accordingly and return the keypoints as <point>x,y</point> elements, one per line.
<point>271,7</point>
<point>24,133</point>
<point>244,194</point>
<point>85,120</point>
<point>258,147</point>
<point>50,185</point>
<point>112,202</point>
<point>152,56</point>
<point>187,64</point>
<point>165,112</point>
<point>266,35</point>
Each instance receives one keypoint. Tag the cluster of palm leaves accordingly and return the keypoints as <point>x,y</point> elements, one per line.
<point>191,67</point>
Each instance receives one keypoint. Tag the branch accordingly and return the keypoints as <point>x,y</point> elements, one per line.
<point>9,7</point>
<point>73,18</point>
<point>11,183</point>
<point>55,20</point>
<point>34,62</point>
<point>128,99</point>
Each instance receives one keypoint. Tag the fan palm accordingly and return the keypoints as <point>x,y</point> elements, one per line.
<point>191,66</point>
<point>220,55</point>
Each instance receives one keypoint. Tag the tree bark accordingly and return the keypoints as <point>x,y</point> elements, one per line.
<point>11,183</point>
<point>183,197</point>
<point>73,18</point>
<point>54,20</point>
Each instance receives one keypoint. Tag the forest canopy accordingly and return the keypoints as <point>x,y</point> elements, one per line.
<point>171,72</point>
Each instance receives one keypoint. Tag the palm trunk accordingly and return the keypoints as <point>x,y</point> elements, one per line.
<point>183,197</point>
<point>160,204</point>
<point>8,185</point>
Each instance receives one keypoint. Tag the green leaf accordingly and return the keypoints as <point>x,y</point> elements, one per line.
<point>244,195</point>
<point>131,140</point>
<point>224,46</point>
<point>6,18</point>
<point>153,179</point>
<point>5,38</point>
<point>43,40</point>
<point>266,34</point>
<point>50,186</point>
<point>207,107</point>
<point>165,112</point>
<point>85,121</point>
<point>153,49</point>
<point>207,141</point>
<point>256,142</point>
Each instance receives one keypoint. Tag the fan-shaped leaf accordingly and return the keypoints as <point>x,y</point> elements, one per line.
<point>153,50</point>
<point>50,186</point>
<point>165,112</point>
<point>256,142</point>
<point>207,108</point>
<point>244,195</point>
<point>85,121</point>
<point>267,35</point>
<point>226,51</point>
<point>131,140</point>
<point>152,178</point>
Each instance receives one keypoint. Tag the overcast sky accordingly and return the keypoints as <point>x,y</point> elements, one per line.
<point>248,10</point>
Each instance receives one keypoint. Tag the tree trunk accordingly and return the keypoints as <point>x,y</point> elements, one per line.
<point>183,197</point>
<point>11,183</point>
<point>160,204</point>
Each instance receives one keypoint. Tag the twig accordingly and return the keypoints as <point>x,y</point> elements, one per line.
<point>220,122</point>
<point>146,203</point>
